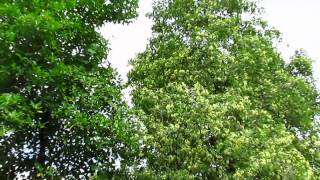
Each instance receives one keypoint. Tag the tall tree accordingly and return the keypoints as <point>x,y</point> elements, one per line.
<point>218,101</point>
<point>61,112</point>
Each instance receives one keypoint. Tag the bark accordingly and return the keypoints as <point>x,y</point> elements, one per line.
<point>43,140</point>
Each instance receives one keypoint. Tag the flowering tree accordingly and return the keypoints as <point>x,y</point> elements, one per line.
<point>218,101</point>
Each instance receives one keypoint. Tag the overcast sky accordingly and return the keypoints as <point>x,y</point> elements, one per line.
<point>298,20</point>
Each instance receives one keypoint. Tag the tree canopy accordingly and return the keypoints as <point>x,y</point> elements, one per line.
<point>212,98</point>
<point>61,112</point>
<point>217,100</point>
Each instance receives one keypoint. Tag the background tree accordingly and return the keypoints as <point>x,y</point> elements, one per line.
<point>61,112</point>
<point>218,101</point>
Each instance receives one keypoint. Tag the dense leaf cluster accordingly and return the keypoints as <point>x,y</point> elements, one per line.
<point>61,112</point>
<point>217,99</point>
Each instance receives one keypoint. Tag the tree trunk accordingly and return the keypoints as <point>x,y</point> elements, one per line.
<point>43,142</point>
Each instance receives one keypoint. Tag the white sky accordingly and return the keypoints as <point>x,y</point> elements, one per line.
<point>298,20</point>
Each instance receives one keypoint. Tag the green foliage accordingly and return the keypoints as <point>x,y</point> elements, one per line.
<point>300,65</point>
<point>14,113</point>
<point>217,100</point>
<point>61,113</point>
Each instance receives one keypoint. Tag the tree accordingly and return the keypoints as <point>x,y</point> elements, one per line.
<point>61,112</point>
<point>218,101</point>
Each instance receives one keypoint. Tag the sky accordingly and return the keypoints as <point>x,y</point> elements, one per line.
<point>297,20</point>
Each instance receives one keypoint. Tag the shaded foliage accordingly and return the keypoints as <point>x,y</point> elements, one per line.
<point>61,112</point>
